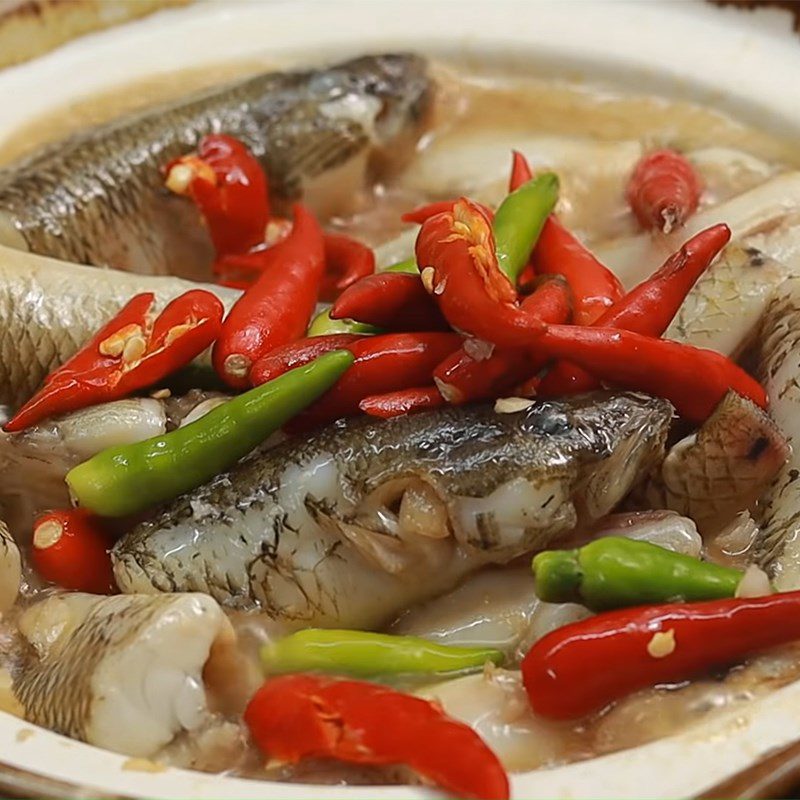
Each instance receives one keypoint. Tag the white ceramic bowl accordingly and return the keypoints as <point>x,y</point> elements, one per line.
<point>684,49</point>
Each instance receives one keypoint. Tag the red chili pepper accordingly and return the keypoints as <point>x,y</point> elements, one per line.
<point>649,307</point>
<point>664,190</point>
<point>298,354</point>
<point>131,352</point>
<point>242,270</point>
<point>558,252</point>
<point>309,716</point>
<point>393,301</point>
<point>278,307</point>
<point>405,401</point>
<point>346,261</point>
<point>692,379</point>
<point>230,189</point>
<point>594,288</point>
<point>422,213</point>
<point>384,363</point>
<point>71,549</point>
<point>456,254</point>
<point>464,376</point>
<point>520,171</point>
<point>583,667</point>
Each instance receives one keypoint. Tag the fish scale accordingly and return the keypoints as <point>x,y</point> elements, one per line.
<point>777,545</point>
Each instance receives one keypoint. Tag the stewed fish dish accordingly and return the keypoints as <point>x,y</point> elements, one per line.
<point>385,422</point>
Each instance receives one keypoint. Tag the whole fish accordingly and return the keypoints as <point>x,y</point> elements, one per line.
<point>722,469</point>
<point>98,197</point>
<point>48,309</point>
<point>777,546</point>
<point>361,519</point>
<point>127,672</point>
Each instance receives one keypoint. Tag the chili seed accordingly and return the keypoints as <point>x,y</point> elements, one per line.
<point>134,349</point>
<point>47,534</point>
<point>662,644</point>
<point>427,276</point>
<point>115,344</point>
<point>177,332</point>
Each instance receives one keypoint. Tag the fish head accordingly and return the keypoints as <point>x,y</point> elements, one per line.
<point>389,94</point>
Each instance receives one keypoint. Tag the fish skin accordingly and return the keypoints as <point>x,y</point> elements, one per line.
<point>98,197</point>
<point>722,469</point>
<point>49,309</point>
<point>777,545</point>
<point>10,569</point>
<point>724,308</point>
<point>121,672</point>
<point>302,532</point>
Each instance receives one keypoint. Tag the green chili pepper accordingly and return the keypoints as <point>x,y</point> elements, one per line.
<point>612,572</point>
<point>364,654</point>
<point>409,265</point>
<point>322,325</point>
<point>519,220</point>
<point>127,479</point>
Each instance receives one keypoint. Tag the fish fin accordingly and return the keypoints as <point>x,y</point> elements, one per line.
<point>382,550</point>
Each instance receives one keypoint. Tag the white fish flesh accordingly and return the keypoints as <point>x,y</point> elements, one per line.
<point>10,569</point>
<point>126,672</point>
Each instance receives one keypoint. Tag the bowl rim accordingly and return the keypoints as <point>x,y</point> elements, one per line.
<point>724,59</point>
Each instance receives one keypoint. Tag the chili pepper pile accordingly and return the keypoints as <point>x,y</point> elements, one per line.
<point>478,272</point>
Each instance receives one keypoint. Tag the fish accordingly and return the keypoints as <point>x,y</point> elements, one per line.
<point>667,529</point>
<point>125,672</point>
<point>34,462</point>
<point>723,310</point>
<point>10,569</point>
<point>727,171</point>
<point>49,309</point>
<point>98,197</point>
<point>354,522</point>
<point>722,469</point>
<point>495,706</point>
<point>768,208</point>
<point>777,544</point>
<point>498,607</point>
